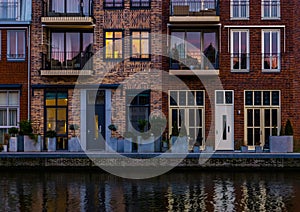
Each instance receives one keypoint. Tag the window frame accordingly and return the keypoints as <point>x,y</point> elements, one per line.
<point>8,107</point>
<point>232,31</point>
<point>270,31</point>
<point>140,58</point>
<point>140,4</point>
<point>114,7</point>
<point>278,6</point>
<point>113,43</point>
<point>16,42</point>
<point>240,4</point>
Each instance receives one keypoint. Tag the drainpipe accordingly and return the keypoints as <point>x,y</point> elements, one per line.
<point>28,72</point>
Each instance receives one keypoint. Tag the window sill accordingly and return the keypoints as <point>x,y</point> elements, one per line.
<point>270,18</point>
<point>239,19</point>
<point>240,70</point>
<point>15,59</point>
<point>271,70</point>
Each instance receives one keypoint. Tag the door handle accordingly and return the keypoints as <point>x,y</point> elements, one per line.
<point>229,129</point>
<point>88,131</point>
<point>100,129</point>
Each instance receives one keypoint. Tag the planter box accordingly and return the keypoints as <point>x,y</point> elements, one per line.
<point>244,148</point>
<point>146,145</point>
<point>31,145</point>
<point>4,148</point>
<point>209,149</point>
<point>112,145</point>
<point>13,144</point>
<point>74,145</point>
<point>128,145</point>
<point>157,145</point>
<point>20,145</point>
<point>281,144</point>
<point>120,145</point>
<point>196,149</point>
<point>180,144</point>
<point>51,144</point>
<point>258,149</point>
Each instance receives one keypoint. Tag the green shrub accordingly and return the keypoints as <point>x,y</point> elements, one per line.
<point>288,128</point>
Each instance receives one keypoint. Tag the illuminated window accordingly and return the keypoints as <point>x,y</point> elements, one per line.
<point>113,44</point>
<point>140,45</point>
<point>140,3</point>
<point>113,4</point>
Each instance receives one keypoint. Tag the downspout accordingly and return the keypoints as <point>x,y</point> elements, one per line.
<point>28,72</point>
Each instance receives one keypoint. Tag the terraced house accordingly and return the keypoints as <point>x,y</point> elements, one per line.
<point>15,20</point>
<point>237,59</point>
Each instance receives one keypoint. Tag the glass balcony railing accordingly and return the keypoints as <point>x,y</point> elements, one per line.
<point>9,10</point>
<point>194,8</point>
<point>68,8</point>
<point>67,60</point>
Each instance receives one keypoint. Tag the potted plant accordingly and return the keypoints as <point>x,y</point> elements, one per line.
<point>13,140</point>
<point>112,143</point>
<point>174,134</point>
<point>284,142</point>
<point>31,143</point>
<point>158,125</point>
<point>74,143</point>
<point>51,140</point>
<point>5,142</point>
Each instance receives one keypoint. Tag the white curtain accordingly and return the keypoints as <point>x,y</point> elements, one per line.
<point>73,6</point>
<point>58,6</point>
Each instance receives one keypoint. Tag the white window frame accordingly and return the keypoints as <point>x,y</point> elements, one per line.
<point>185,108</point>
<point>16,41</point>
<point>240,50</point>
<point>240,3</point>
<point>7,107</point>
<point>261,108</point>
<point>278,51</point>
<point>263,15</point>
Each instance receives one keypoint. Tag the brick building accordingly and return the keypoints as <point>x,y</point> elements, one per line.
<point>236,60</point>
<point>15,19</point>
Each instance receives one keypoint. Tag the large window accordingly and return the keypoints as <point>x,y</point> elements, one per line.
<point>194,49</point>
<point>9,111</point>
<point>262,116</point>
<point>140,45</point>
<point>114,4</point>
<point>240,50</point>
<point>9,9</point>
<point>74,7</point>
<point>70,50</point>
<point>271,50</point>
<point>270,9</point>
<point>140,3</point>
<point>239,9</point>
<point>16,45</point>
<point>113,44</point>
<point>56,116</point>
<point>138,108</point>
<point>187,108</point>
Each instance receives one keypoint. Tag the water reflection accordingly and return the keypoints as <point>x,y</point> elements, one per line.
<point>91,191</point>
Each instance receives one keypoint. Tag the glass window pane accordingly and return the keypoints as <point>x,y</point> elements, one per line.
<point>61,123</point>
<point>267,118</point>
<point>191,117</point>
<point>250,136</point>
<point>199,98</point>
<point>21,44</point>
<point>267,98</point>
<point>13,98</point>
<point>250,118</point>
<point>228,97</point>
<point>13,117</point>
<point>274,117</point>
<point>275,97</point>
<point>87,43</point>
<point>249,98</point>
<point>3,117</point>
<point>257,97</point>
<point>220,97</point>
<point>191,98</point>
<point>50,99</point>
<point>51,118</point>
<point>62,99</point>
<point>199,118</point>
<point>3,98</point>
<point>182,98</point>
<point>256,118</point>
<point>173,98</point>
<point>73,6</point>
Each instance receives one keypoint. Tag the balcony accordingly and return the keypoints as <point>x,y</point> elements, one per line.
<point>194,11</point>
<point>67,64</point>
<point>195,64</point>
<point>64,12</point>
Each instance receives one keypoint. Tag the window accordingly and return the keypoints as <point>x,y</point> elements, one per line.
<point>119,4</point>
<point>74,7</point>
<point>262,114</point>
<point>0,46</point>
<point>56,104</point>
<point>9,111</point>
<point>240,50</point>
<point>194,49</point>
<point>71,50</point>
<point>140,3</point>
<point>16,44</point>
<point>138,107</point>
<point>270,9</point>
<point>187,108</point>
<point>113,44</point>
<point>140,45</point>
<point>239,9</point>
<point>271,50</point>
<point>9,10</point>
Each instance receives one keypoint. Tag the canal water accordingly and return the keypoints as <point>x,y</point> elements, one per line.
<point>174,191</point>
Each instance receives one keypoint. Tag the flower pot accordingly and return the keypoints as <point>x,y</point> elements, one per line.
<point>196,149</point>
<point>51,144</point>
<point>30,145</point>
<point>146,145</point>
<point>74,145</point>
<point>4,148</point>
<point>13,144</point>
<point>180,144</point>
<point>120,146</point>
<point>112,145</point>
<point>128,145</point>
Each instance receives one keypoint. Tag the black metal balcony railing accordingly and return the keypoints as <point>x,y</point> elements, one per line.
<point>194,7</point>
<point>67,60</point>
<point>9,10</point>
<point>65,8</point>
<point>240,61</point>
<point>195,61</point>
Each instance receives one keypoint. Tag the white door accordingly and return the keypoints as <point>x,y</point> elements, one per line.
<point>224,119</point>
